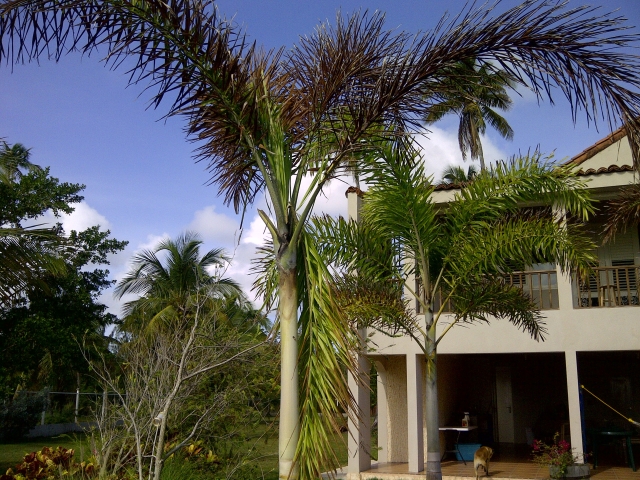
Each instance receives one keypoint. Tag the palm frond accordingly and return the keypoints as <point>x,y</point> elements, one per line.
<point>491,298</point>
<point>622,212</point>
<point>327,346</point>
<point>27,255</point>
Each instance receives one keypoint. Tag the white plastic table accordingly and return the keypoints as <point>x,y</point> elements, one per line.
<point>455,445</point>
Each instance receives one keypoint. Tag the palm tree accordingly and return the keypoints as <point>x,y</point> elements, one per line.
<point>168,279</point>
<point>474,91</point>
<point>25,253</point>
<point>440,249</point>
<point>455,174</point>
<point>267,120</point>
<point>12,159</point>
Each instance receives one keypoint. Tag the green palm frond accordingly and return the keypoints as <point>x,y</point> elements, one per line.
<point>523,241</point>
<point>13,159</point>
<point>327,346</point>
<point>349,246</point>
<point>266,280</point>
<point>491,298</point>
<point>170,280</point>
<point>26,256</point>
<point>523,180</point>
<point>455,174</point>
<point>399,204</point>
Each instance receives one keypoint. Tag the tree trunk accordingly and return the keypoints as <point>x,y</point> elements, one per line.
<point>159,447</point>
<point>289,408</point>
<point>433,468</point>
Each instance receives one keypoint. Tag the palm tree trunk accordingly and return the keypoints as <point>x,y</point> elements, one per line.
<point>481,157</point>
<point>289,431</point>
<point>433,468</point>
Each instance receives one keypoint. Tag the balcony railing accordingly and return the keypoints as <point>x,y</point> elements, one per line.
<point>609,287</point>
<point>540,285</point>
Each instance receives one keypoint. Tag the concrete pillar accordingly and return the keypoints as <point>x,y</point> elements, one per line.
<point>565,290</point>
<point>359,439</point>
<point>573,391</point>
<point>383,415</point>
<point>414,413</point>
<point>354,203</point>
<point>565,287</point>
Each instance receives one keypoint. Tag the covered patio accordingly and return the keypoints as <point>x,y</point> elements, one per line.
<point>452,470</point>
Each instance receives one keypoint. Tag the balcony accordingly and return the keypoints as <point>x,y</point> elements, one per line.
<point>539,285</point>
<point>609,287</point>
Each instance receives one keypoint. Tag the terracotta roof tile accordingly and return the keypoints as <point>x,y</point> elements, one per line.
<point>355,190</point>
<point>609,169</point>
<point>449,186</point>
<point>582,157</point>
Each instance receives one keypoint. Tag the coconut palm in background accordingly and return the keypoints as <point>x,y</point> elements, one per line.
<point>284,124</point>
<point>456,175</point>
<point>169,278</point>
<point>439,248</point>
<point>474,94</point>
<point>13,158</point>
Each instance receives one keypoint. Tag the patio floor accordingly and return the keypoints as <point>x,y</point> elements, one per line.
<point>510,462</point>
<point>452,470</point>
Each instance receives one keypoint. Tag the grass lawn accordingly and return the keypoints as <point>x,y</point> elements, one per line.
<point>12,453</point>
<point>260,450</point>
<point>257,447</point>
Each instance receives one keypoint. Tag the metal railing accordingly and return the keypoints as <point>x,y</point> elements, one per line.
<point>609,287</point>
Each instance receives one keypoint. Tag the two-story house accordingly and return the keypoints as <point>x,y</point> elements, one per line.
<point>513,387</point>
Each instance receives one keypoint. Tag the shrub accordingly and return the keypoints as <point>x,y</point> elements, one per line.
<point>20,415</point>
<point>50,463</point>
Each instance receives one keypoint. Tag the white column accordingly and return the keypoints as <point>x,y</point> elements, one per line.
<point>383,415</point>
<point>573,390</point>
<point>359,438</point>
<point>565,290</point>
<point>414,413</point>
<point>354,203</point>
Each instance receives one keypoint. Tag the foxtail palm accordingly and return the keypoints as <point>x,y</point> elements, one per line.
<point>439,247</point>
<point>474,94</point>
<point>267,120</point>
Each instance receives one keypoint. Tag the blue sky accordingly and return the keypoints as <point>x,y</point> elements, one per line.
<point>80,119</point>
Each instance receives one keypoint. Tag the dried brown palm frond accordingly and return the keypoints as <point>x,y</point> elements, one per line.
<point>537,43</point>
<point>623,212</point>
<point>337,83</point>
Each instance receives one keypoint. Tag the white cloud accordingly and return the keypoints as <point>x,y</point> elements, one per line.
<point>80,219</point>
<point>152,242</point>
<point>215,227</point>
<point>84,217</point>
<point>257,234</point>
<point>332,200</point>
<point>240,269</point>
<point>440,149</point>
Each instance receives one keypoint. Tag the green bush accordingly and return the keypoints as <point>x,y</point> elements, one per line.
<point>20,415</point>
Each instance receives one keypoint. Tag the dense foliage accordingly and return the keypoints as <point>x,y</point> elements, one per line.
<point>41,325</point>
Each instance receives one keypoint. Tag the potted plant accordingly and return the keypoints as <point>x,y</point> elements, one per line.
<point>560,459</point>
